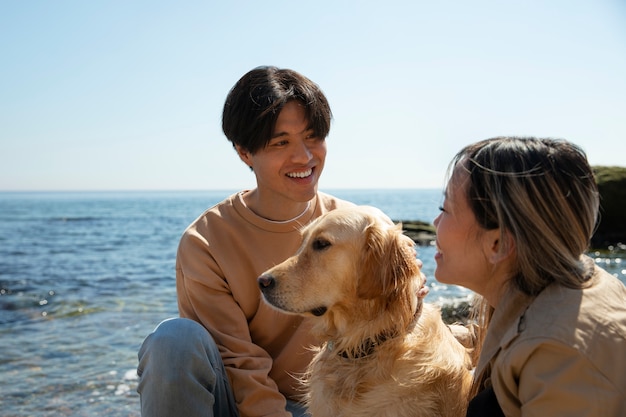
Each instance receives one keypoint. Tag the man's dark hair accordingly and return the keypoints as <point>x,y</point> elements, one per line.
<point>254,103</point>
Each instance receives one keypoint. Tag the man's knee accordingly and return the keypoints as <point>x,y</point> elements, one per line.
<point>177,344</point>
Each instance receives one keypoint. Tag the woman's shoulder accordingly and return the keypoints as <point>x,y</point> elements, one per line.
<point>564,327</point>
<point>578,317</point>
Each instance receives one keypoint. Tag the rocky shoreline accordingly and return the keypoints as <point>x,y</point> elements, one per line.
<point>456,313</point>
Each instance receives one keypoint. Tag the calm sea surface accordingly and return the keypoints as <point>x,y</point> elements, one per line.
<point>84,277</point>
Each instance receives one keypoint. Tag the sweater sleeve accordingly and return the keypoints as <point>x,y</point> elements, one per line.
<point>200,283</point>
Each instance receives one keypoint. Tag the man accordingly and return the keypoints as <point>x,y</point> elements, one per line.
<point>277,121</point>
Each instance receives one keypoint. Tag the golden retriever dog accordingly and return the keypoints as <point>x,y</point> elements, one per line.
<point>384,351</point>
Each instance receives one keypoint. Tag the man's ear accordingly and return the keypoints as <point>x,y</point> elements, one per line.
<point>498,245</point>
<point>244,155</point>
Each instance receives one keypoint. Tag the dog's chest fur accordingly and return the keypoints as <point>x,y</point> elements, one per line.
<point>397,379</point>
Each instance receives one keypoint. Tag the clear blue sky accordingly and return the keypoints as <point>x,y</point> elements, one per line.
<point>117,95</point>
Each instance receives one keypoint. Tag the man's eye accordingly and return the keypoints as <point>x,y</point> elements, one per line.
<point>320,244</point>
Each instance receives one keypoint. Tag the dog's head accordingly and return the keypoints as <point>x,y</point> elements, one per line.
<point>352,262</point>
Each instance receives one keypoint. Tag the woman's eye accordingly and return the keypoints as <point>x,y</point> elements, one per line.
<point>442,209</point>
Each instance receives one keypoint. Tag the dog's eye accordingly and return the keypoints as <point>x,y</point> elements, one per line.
<point>319,244</point>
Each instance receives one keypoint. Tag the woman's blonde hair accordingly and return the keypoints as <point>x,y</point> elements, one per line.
<point>542,194</point>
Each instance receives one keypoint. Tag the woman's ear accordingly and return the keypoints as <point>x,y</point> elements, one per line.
<point>498,245</point>
<point>244,155</point>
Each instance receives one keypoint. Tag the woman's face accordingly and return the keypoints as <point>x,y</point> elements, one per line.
<point>464,248</point>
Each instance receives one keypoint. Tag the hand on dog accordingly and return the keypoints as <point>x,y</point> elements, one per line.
<point>423,291</point>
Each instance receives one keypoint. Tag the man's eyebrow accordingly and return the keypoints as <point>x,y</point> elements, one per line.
<point>283,133</point>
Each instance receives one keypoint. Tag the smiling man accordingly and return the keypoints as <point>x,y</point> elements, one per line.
<point>229,352</point>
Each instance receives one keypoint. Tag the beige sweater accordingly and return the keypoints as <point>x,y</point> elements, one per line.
<point>220,256</point>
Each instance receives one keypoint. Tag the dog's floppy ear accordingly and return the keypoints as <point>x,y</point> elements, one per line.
<point>387,262</point>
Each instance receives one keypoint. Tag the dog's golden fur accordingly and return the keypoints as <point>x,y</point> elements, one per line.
<point>384,352</point>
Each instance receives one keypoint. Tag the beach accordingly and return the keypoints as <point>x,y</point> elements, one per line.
<point>84,277</point>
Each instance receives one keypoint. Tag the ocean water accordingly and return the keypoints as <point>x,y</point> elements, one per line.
<point>84,277</point>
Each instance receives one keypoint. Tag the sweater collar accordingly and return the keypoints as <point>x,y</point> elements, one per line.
<point>268,225</point>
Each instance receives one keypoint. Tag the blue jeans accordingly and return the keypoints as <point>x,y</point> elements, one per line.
<point>181,373</point>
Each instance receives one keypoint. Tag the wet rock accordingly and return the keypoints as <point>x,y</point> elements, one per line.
<point>612,224</point>
<point>422,233</point>
<point>456,312</point>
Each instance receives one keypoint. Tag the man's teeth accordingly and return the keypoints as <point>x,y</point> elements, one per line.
<point>302,174</point>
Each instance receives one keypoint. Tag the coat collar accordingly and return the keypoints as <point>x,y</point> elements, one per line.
<point>501,330</point>
<point>509,319</point>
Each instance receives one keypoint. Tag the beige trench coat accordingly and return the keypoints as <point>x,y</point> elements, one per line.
<point>562,353</point>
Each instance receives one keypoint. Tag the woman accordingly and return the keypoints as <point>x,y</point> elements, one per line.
<point>517,217</point>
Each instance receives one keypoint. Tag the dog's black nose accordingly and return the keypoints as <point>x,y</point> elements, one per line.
<point>266,282</point>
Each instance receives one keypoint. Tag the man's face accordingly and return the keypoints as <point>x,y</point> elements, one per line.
<point>288,169</point>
